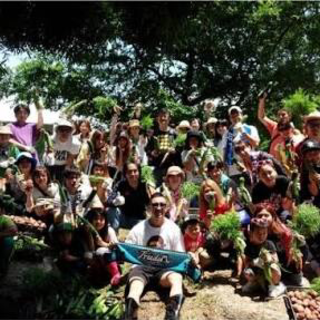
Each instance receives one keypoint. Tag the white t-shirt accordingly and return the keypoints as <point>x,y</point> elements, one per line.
<point>61,149</point>
<point>169,232</point>
<point>52,192</point>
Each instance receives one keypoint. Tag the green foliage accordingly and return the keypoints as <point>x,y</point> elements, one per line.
<point>178,111</point>
<point>104,106</point>
<point>300,103</point>
<point>180,140</point>
<point>147,175</point>
<point>228,227</point>
<point>146,122</point>
<point>190,190</point>
<point>69,297</point>
<point>315,285</point>
<point>164,54</point>
<point>306,221</point>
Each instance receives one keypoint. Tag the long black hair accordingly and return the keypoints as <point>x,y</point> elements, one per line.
<point>92,214</point>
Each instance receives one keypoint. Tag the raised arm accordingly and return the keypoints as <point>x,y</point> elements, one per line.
<point>268,123</point>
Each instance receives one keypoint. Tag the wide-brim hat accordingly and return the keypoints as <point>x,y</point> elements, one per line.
<point>211,120</point>
<point>5,130</point>
<point>234,108</point>
<point>174,171</point>
<point>134,123</point>
<point>27,155</point>
<point>315,115</point>
<point>64,123</point>
<point>184,124</point>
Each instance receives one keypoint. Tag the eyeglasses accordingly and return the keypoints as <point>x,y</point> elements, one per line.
<point>158,204</point>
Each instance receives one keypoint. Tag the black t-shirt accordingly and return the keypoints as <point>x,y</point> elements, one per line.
<point>252,251</point>
<point>261,192</point>
<point>136,200</point>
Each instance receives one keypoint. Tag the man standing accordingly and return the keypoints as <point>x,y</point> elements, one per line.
<point>160,149</point>
<point>238,131</point>
<point>156,231</point>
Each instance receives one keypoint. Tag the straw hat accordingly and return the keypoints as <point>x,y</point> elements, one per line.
<point>134,123</point>
<point>5,130</point>
<point>174,171</point>
<point>234,108</point>
<point>211,120</point>
<point>315,115</point>
<point>184,124</point>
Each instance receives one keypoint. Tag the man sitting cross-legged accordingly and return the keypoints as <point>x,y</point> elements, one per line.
<point>159,232</point>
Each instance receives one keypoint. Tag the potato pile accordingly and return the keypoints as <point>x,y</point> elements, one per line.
<point>28,224</point>
<point>306,304</point>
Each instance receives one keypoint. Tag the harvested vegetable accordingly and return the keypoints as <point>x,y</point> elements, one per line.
<point>190,190</point>
<point>147,175</point>
<point>228,227</point>
<point>306,221</point>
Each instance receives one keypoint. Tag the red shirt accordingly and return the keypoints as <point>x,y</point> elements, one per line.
<point>191,244</point>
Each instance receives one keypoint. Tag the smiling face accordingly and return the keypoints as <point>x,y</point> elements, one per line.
<point>64,133</point>
<point>268,175</point>
<point>41,179</point>
<point>193,230</point>
<point>265,216</point>
<point>99,221</point>
<point>259,235</point>
<point>158,209</point>
<point>84,129</point>
<point>174,181</point>
<point>163,120</point>
<point>132,174</point>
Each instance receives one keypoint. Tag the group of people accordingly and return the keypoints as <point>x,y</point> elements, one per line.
<point>86,184</point>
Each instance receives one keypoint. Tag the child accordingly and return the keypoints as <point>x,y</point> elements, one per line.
<point>261,261</point>
<point>102,242</point>
<point>171,189</point>
<point>71,247</point>
<point>194,240</point>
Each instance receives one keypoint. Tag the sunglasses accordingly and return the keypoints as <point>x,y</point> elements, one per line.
<point>158,204</point>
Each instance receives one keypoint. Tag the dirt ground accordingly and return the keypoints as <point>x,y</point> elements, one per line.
<point>216,299</point>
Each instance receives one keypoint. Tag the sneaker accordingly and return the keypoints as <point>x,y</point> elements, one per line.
<point>173,307</point>
<point>251,287</point>
<point>274,291</point>
<point>131,309</point>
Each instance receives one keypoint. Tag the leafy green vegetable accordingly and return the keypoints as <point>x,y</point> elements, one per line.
<point>146,122</point>
<point>180,140</point>
<point>315,285</point>
<point>190,190</point>
<point>227,226</point>
<point>147,175</point>
<point>306,221</point>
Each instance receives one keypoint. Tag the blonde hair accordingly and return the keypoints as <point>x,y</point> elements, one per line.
<point>208,183</point>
